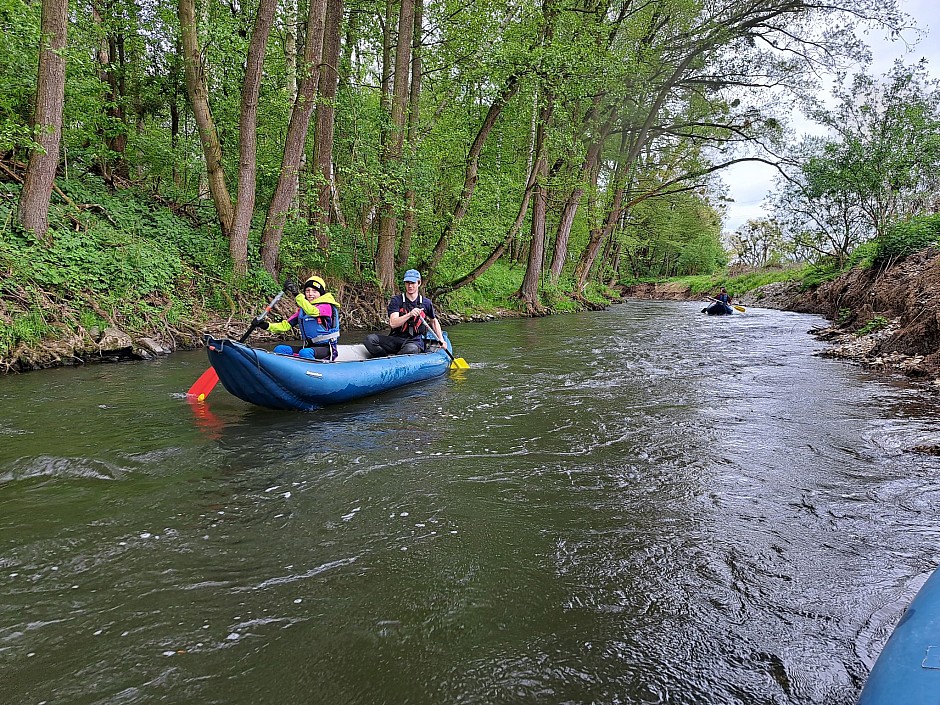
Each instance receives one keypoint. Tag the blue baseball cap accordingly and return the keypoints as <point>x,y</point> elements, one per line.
<point>412,275</point>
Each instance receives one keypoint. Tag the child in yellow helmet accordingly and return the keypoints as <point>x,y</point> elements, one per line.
<point>317,317</point>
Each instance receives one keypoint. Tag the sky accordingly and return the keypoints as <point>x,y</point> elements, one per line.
<point>748,184</point>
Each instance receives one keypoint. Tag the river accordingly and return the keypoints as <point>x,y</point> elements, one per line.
<point>640,505</point>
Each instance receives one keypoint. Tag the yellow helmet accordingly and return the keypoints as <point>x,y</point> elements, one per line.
<point>316,282</point>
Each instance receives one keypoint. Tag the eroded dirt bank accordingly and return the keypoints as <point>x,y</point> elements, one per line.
<point>886,318</point>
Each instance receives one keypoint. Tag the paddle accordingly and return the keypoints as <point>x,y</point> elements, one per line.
<point>734,306</point>
<point>457,362</point>
<point>208,379</point>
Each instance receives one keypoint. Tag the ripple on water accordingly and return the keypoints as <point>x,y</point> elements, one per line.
<point>48,466</point>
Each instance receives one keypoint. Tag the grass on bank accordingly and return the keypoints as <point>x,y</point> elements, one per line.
<point>738,284</point>
<point>901,239</point>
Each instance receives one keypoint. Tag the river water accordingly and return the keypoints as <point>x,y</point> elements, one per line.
<point>641,505</point>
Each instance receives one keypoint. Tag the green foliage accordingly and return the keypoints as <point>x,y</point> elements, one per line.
<point>741,283</point>
<point>863,256</point>
<point>821,272</point>
<point>674,235</point>
<point>495,289</point>
<point>907,237</point>
<point>845,314</point>
<point>29,328</point>
<point>881,166</point>
<point>875,324</point>
<point>19,51</point>
<point>120,253</point>
<point>556,299</point>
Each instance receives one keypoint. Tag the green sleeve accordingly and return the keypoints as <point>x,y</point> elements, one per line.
<point>279,327</point>
<point>307,307</point>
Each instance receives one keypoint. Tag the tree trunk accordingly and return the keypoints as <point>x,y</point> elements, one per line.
<point>598,235</point>
<point>404,247</point>
<point>33,212</point>
<point>326,116</point>
<point>471,170</point>
<point>391,158</point>
<point>199,98</point>
<point>117,143</point>
<point>570,210</point>
<point>296,138</point>
<point>103,56</point>
<point>178,175</point>
<point>290,48</point>
<point>529,291</point>
<point>248,137</point>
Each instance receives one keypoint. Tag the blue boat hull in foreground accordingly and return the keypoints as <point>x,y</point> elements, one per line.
<point>279,381</point>
<point>908,670</point>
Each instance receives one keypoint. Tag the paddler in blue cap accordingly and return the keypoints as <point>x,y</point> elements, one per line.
<point>406,321</point>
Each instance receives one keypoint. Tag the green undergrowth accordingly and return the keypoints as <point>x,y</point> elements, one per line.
<point>497,289</point>
<point>907,237</point>
<point>741,283</point>
<point>875,324</point>
<point>111,258</point>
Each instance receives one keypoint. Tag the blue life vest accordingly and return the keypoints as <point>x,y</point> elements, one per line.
<point>317,330</point>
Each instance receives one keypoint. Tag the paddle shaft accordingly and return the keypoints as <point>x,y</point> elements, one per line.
<point>208,379</point>
<point>258,319</point>
<point>443,344</point>
<point>727,303</point>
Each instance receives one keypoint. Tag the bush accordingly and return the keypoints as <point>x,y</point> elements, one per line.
<point>819,273</point>
<point>907,237</point>
<point>875,324</point>
<point>864,255</point>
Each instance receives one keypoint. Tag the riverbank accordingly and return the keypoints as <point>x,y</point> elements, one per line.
<point>124,274</point>
<point>885,319</point>
<point>114,343</point>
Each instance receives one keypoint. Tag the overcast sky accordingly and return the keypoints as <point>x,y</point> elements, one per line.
<point>748,184</point>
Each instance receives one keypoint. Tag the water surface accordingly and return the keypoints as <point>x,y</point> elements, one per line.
<point>641,505</point>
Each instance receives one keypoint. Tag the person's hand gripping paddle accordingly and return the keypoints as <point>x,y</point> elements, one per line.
<point>457,363</point>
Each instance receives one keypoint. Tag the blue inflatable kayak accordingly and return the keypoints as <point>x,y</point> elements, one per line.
<point>278,381</point>
<point>908,670</point>
<point>718,309</point>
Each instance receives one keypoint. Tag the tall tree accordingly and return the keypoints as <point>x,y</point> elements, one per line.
<point>529,291</point>
<point>198,93</point>
<point>33,211</point>
<point>392,153</point>
<point>248,136</point>
<point>296,137</point>
<point>414,104</point>
<point>328,85</point>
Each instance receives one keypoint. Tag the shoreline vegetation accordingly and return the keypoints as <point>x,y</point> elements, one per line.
<point>163,173</point>
<point>885,319</point>
<point>123,276</point>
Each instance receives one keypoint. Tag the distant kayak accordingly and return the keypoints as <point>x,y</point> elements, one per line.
<point>908,670</point>
<point>718,309</point>
<point>278,381</point>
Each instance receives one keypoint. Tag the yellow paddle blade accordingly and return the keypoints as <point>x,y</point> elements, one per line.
<point>740,308</point>
<point>459,364</point>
